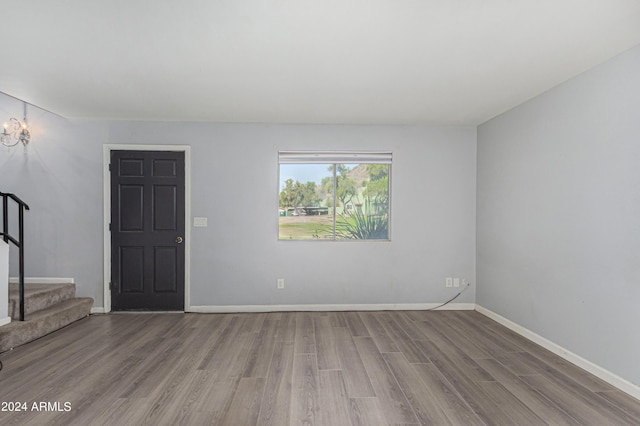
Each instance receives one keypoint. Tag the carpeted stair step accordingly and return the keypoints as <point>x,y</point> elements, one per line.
<point>43,322</point>
<point>38,297</point>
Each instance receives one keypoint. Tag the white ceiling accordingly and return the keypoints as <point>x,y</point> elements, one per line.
<point>302,61</point>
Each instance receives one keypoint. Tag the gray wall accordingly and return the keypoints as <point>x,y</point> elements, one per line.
<point>61,180</point>
<point>236,260</point>
<point>558,223</point>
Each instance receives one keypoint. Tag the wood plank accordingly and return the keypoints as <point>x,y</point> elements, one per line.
<point>173,394</point>
<point>622,401</point>
<point>66,358</point>
<point>304,392</point>
<point>402,340</point>
<point>110,384</point>
<point>125,411</point>
<point>408,324</point>
<point>276,401</point>
<point>490,337</point>
<point>518,342</point>
<point>436,338</point>
<point>519,413</point>
<point>251,323</point>
<point>333,403</point>
<point>200,385</point>
<point>466,338</point>
<point>355,376</point>
<point>215,398</point>
<point>286,327</point>
<point>169,404</point>
<point>226,337</point>
<point>325,344</point>
<point>383,340</point>
<point>455,407</point>
<point>514,363</point>
<point>422,401</point>
<point>338,319</point>
<point>546,409</point>
<point>259,356</point>
<point>355,324</point>
<point>147,380</point>
<point>305,338</point>
<point>392,401</point>
<point>566,384</point>
<point>464,379</point>
<point>576,373</point>
<point>366,412</point>
<point>245,406</point>
<point>570,403</point>
<point>195,418</point>
<point>230,351</point>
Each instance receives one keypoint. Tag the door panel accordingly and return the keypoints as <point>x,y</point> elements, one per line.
<point>164,217</point>
<point>132,269</point>
<point>165,168</point>
<point>165,260</point>
<point>147,230</point>
<point>132,217</point>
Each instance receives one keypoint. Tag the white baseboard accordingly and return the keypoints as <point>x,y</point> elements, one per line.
<point>604,374</point>
<point>5,321</point>
<point>97,310</point>
<point>303,308</point>
<point>45,280</point>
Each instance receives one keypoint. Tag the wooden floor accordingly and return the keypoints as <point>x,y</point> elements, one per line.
<point>305,368</point>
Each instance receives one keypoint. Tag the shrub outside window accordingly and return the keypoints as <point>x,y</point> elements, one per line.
<point>334,195</point>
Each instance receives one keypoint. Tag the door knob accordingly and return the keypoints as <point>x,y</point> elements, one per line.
<point>179,240</point>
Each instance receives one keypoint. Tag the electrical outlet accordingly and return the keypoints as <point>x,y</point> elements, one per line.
<point>449,282</point>
<point>464,282</point>
<point>456,282</point>
<point>280,282</point>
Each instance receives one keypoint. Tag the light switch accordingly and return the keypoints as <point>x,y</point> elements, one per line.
<point>199,222</point>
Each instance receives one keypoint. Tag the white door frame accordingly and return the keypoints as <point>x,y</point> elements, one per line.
<point>106,159</point>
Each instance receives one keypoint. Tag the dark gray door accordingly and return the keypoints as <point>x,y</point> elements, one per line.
<point>147,230</point>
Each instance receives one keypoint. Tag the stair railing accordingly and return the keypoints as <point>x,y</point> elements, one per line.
<point>22,206</point>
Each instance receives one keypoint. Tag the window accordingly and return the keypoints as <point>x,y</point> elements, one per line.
<point>334,195</point>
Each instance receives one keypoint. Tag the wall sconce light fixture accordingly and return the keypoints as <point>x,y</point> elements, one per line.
<point>16,131</point>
